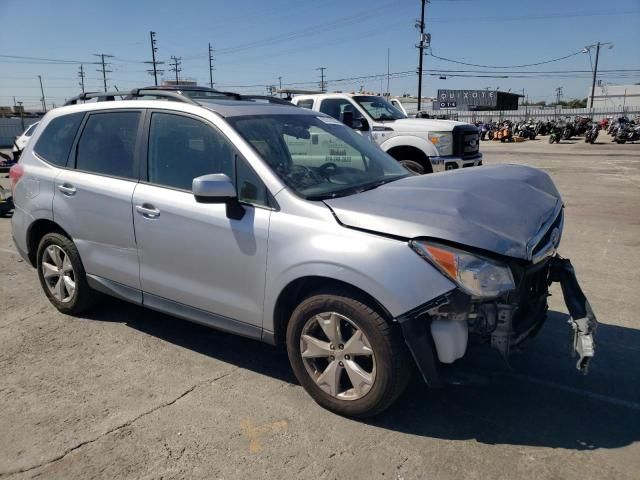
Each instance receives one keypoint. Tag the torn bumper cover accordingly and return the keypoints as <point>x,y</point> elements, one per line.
<point>508,325</point>
<point>582,320</point>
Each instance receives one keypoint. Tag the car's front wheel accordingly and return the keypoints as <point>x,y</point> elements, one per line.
<point>346,355</point>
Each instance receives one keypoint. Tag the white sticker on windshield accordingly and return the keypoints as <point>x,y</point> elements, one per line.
<point>329,121</point>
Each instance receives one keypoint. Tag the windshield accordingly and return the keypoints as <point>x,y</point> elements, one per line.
<point>378,108</point>
<point>318,157</point>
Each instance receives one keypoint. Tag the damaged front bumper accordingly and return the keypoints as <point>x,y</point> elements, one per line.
<point>437,332</point>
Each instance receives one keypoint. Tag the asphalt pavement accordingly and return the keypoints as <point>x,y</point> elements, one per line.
<point>130,393</point>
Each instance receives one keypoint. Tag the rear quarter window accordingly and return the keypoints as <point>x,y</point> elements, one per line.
<point>55,141</point>
<point>307,103</point>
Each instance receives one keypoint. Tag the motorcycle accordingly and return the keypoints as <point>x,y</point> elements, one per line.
<point>555,134</point>
<point>591,135</point>
<point>627,133</point>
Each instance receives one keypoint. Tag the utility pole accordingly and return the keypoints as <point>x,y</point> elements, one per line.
<point>323,85</point>
<point>210,66</point>
<point>154,63</point>
<point>595,72</point>
<point>388,93</point>
<point>103,70</point>
<point>175,67</point>
<point>587,49</point>
<point>81,74</point>
<point>21,115</point>
<point>42,99</point>
<point>558,96</point>
<point>424,41</point>
<point>280,85</point>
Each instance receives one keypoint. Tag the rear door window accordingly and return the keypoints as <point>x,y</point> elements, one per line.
<point>55,142</point>
<point>107,144</point>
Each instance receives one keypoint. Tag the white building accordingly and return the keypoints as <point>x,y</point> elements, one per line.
<point>615,96</point>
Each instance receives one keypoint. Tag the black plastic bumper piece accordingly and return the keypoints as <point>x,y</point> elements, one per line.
<point>416,329</point>
<point>583,321</point>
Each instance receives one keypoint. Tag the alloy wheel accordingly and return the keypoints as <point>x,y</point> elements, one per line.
<point>338,356</point>
<point>58,273</point>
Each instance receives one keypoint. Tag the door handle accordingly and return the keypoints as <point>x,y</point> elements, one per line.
<point>67,189</point>
<point>148,211</point>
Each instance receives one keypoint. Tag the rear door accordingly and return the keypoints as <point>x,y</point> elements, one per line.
<point>92,198</point>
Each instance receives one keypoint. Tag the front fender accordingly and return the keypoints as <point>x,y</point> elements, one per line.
<point>386,269</point>
<point>410,141</point>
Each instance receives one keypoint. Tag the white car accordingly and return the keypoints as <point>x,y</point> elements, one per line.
<point>21,141</point>
<point>420,145</point>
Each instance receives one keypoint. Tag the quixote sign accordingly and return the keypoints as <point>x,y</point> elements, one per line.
<point>484,98</point>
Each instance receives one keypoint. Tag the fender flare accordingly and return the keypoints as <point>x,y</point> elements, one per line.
<point>410,141</point>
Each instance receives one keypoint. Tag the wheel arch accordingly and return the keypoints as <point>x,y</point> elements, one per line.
<point>303,287</point>
<point>417,149</point>
<point>407,152</point>
<point>36,231</point>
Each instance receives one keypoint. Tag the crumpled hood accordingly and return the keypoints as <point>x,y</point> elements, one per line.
<point>496,208</point>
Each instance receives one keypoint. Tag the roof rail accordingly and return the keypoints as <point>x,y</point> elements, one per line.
<point>168,94</point>
<point>269,99</point>
<point>135,93</point>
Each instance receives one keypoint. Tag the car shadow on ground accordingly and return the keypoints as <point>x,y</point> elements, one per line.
<point>539,399</point>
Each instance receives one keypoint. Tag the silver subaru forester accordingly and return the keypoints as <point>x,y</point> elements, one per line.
<point>283,225</point>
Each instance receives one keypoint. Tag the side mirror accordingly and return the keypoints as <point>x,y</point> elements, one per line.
<point>355,123</point>
<point>213,188</point>
<point>217,188</point>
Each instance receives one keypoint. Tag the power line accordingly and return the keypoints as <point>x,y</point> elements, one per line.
<point>505,66</point>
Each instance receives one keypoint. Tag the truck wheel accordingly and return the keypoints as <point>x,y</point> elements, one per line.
<point>345,355</point>
<point>413,166</point>
<point>62,275</point>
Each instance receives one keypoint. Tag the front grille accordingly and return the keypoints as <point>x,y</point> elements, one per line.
<point>466,141</point>
<point>547,236</point>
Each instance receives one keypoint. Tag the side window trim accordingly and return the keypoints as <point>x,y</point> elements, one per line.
<point>136,159</point>
<point>269,198</point>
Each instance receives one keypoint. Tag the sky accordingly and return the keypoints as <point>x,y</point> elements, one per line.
<point>255,42</point>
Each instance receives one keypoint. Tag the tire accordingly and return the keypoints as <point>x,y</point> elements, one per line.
<point>388,367</point>
<point>69,301</point>
<point>414,167</point>
<point>551,139</point>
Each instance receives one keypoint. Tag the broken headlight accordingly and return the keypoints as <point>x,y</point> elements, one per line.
<point>477,275</point>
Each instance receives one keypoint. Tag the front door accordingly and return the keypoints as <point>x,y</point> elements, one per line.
<point>191,254</point>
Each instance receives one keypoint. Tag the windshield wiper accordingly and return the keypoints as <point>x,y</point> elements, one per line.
<point>354,190</point>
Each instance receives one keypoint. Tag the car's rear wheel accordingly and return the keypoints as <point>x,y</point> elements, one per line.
<point>346,355</point>
<point>62,275</point>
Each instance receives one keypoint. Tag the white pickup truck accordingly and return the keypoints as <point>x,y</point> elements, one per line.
<point>421,145</point>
